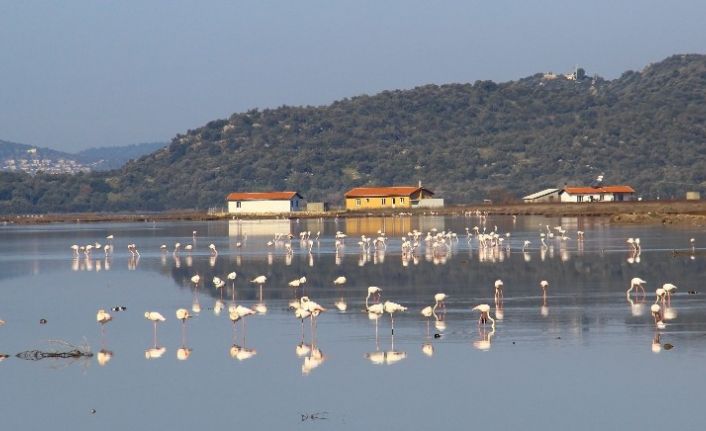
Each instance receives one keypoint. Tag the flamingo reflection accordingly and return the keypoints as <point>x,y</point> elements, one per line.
<point>387,357</point>
<point>314,359</point>
<point>241,353</point>
<point>656,344</point>
<point>544,309</point>
<point>483,343</point>
<point>428,349</point>
<point>104,356</point>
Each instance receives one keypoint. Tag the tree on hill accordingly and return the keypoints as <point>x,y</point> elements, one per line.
<point>464,141</point>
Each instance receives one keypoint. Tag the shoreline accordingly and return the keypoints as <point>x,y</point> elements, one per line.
<point>652,212</point>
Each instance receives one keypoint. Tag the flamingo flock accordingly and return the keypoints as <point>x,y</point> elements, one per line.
<point>490,243</point>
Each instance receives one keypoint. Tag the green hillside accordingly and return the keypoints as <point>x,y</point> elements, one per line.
<point>464,141</point>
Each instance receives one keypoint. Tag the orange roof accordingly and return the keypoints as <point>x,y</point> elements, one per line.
<point>362,192</point>
<point>594,190</point>
<point>262,196</point>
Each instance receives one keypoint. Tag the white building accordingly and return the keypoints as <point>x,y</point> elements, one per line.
<point>546,195</point>
<point>265,202</point>
<point>597,194</point>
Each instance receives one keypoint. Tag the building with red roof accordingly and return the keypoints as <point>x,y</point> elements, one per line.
<point>598,193</point>
<point>361,198</point>
<point>265,202</point>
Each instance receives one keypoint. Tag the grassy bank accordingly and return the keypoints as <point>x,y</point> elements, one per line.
<point>665,212</point>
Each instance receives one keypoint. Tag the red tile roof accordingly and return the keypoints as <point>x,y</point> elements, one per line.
<point>262,196</point>
<point>363,192</point>
<point>595,190</point>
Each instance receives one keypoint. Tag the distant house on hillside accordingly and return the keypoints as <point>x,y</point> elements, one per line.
<point>597,194</point>
<point>265,202</point>
<point>546,195</point>
<point>391,197</point>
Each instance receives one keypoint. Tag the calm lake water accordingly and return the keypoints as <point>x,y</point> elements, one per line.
<point>584,357</point>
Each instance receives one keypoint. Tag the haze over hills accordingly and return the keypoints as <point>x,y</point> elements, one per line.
<point>94,159</point>
<point>464,141</point>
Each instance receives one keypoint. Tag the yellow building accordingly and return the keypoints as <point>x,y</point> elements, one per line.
<point>361,198</point>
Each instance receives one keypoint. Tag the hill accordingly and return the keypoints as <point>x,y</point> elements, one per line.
<point>106,158</point>
<point>14,150</point>
<point>464,141</point>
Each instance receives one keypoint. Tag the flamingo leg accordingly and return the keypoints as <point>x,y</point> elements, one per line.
<point>377,343</point>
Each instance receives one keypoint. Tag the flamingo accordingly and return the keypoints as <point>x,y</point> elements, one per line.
<point>260,279</point>
<point>297,282</point>
<point>340,281</point>
<point>439,300</point>
<point>636,283</point>
<point>219,284</point>
<point>301,314</point>
<point>544,309</point>
<point>499,290</point>
<point>660,295</point>
<point>484,314</point>
<point>183,315</point>
<point>154,317</point>
<point>392,308</point>
<point>212,247</point>
<point>656,313</point>
<point>314,308</point>
<point>236,313</point>
<point>232,276</point>
<point>428,312</point>
<point>102,317</point>
<point>372,290</point>
<point>669,288</point>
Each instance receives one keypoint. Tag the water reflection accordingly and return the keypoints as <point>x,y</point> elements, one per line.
<point>484,338</point>
<point>586,307</point>
<point>386,357</point>
<point>241,353</point>
<point>313,359</point>
<point>104,356</point>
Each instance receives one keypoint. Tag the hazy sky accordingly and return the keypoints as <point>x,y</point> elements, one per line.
<point>77,74</point>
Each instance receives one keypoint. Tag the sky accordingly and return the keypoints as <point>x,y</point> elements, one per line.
<point>92,73</point>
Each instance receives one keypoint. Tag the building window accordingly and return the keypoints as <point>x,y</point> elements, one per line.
<point>579,198</point>
<point>393,201</point>
<point>384,201</point>
<point>367,200</point>
<point>237,204</point>
<point>401,200</point>
<point>357,202</point>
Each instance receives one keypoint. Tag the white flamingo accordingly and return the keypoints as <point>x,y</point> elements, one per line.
<point>484,314</point>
